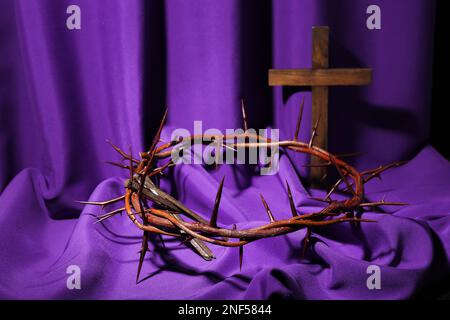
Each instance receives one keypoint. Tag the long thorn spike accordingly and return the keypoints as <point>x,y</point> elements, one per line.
<point>333,189</point>
<point>142,253</point>
<point>382,203</point>
<point>116,164</point>
<point>299,120</point>
<point>101,203</point>
<point>161,169</point>
<point>244,115</point>
<point>241,257</point>
<point>313,134</point>
<point>108,215</point>
<point>121,152</point>
<point>158,133</point>
<point>305,242</point>
<point>213,222</point>
<point>152,150</point>
<point>269,213</point>
<point>291,200</point>
<point>103,219</point>
<point>343,176</point>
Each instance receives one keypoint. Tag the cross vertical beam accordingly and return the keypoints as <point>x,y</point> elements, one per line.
<point>320,36</point>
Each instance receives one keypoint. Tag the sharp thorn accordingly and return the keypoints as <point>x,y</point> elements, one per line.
<point>343,177</point>
<point>101,203</point>
<point>241,257</point>
<point>313,134</point>
<point>291,201</point>
<point>121,152</point>
<point>116,164</point>
<point>161,169</point>
<point>215,213</point>
<point>108,215</point>
<point>143,251</point>
<point>244,115</point>
<point>382,203</point>
<point>269,213</point>
<point>305,242</point>
<point>158,133</point>
<point>333,188</point>
<point>299,119</point>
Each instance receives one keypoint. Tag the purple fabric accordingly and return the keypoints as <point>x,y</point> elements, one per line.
<point>62,93</point>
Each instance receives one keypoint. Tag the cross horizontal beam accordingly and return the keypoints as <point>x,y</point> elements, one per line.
<point>320,77</point>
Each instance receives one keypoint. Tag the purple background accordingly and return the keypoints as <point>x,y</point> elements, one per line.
<point>62,93</point>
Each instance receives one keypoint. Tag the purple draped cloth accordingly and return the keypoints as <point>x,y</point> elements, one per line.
<point>62,93</point>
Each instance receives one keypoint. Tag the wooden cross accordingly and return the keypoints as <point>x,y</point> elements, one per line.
<point>320,77</point>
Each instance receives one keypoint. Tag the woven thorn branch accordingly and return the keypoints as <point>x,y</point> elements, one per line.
<point>155,212</point>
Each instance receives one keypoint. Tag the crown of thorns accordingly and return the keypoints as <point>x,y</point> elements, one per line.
<point>154,211</point>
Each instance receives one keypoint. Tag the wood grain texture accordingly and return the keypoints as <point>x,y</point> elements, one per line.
<point>320,37</point>
<point>320,77</point>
